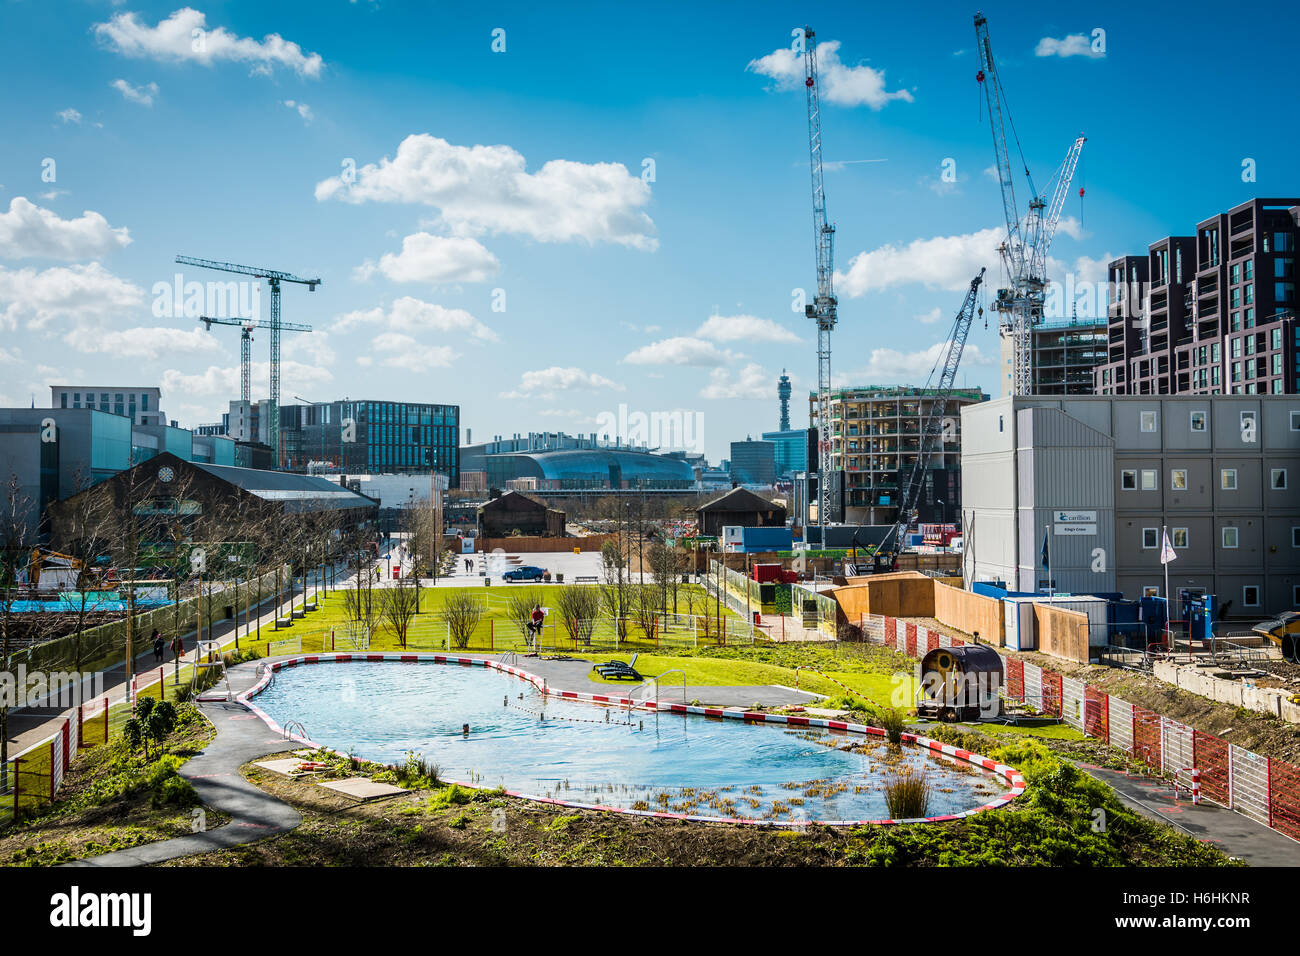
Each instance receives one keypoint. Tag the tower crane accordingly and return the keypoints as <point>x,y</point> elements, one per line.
<point>273,278</point>
<point>822,310</point>
<point>942,379</point>
<point>246,327</point>
<point>1024,250</point>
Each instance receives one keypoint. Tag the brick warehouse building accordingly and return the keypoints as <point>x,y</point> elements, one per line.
<point>1209,314</point>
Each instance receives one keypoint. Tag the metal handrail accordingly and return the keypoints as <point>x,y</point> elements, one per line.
<point>509,657</point>
<point>288,729</point>
<point>655,681</point>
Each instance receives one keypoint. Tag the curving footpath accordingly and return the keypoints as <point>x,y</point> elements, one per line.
<point>255,814</point>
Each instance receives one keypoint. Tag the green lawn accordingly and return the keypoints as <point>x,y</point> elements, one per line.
<point>878,688</point>
<point>428,630</point>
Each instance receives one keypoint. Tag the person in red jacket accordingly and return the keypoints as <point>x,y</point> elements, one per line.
<point>535,624</point>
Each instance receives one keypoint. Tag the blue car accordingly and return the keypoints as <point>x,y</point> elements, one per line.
<point>525,573</point>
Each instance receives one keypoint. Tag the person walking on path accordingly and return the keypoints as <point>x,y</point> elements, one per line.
<point>157,646</point>
<point>178,647</point>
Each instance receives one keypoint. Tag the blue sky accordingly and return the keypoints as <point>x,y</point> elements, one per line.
<point>499,245</point>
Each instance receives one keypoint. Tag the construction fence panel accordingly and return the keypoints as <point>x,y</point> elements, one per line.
<point>910,630</point>
<point>891,633</point>
<point>1249,776</point>
<point>1096,713</point>
<point>1148,734</point>
<point>1284,797</point>
<point>944,640</point>
<point>1056,701</point>
<point>1177,749</point>
<point>1015,680</point>
<point>1213,758</point>
<point>873,628</point>
<point>1120,722</point>
<point>931,640</point>
<point>1033,675</point>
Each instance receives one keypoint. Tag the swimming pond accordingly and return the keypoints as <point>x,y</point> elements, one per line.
<point>608,756</point>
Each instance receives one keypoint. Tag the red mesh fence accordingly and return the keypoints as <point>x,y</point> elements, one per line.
<point>1146,737</point>
<point>1210,756</point>
<point>911,639</point>
<point>1283,797</point>
<point>891,633</point>
<point>1096,714</point>
<point>931,641</point>
<point>1052,693</point>
<point>1016,679</point>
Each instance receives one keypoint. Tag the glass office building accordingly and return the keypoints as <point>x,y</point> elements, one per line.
<point>365,437</point>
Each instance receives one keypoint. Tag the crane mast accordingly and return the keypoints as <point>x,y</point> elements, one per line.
<point>246,327</point>
<point>1024,250</point>
<point>822,310</point>
<point>273,279</point>
<point>932,432</point>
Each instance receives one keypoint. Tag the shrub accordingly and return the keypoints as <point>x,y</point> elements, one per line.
<point>893,721</point>
<point>907,794</point>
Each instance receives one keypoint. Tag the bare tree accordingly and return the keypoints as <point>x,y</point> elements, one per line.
<point>398,602</point>
<point>17,538</point>
<point>90,520</point>
<point>461,612</point>
<point>578,607</point>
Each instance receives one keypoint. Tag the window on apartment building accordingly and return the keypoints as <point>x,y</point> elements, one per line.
<point>1234,322</point>
<point>1215,354</point>
<point>1149,481</point>
<point>1214,374</point>
<point>1250,268</point>
<point>1295,536</point>
<point>1250,595</point>
<point>1228,479</point>
<point>1283,293</point>
<point>64,396</point>
<point>1178,479</point>
<point>1149,421</point>
<point>1295,595</point>
<point>1235,298</point>
<point>1128,479</point>
<point>1249,288</point>
<point>1180,538</point>
<point>1198,421</point>
<point>1235,272</point>
<point>1277,386</point>
<point>1277,479</point>
<point>1236,372</point>
<point>1150,538</point>
<point>1295,421</point>
<point>1283,268</point>
<point>1277,364</point>
<point>1228,537</point>
<point>1234,347</point>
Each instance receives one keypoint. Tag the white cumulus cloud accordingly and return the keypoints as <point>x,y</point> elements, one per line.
<point>175,40</point>
<point>1076,44</point>
<point>487,189</point>
<point>752,381</point>
<point>681,350</point>
<point>404,352</point>
<point>411,315</point>
<point>141,342</point>
<point>545,382</point>
<point>434,259</point>
<point>891,366</point>
<point>29,231</point>
<point>941,262</point>
<point>745,328</point>
<point>840,84</point>
<point>136,94</point>
<point>302,109</point>
<point>79,292</point>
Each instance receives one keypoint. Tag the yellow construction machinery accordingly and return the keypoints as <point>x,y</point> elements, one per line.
<point>1284,631</point>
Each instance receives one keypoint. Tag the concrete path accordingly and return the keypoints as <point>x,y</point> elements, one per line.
<point>30,725</point>
<point>1233,833</point>
<point>255,815</point>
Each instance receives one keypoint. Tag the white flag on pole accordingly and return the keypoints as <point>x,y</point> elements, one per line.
<point>1167,551</point>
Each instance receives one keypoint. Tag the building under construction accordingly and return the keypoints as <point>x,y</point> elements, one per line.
<point>875,438</point>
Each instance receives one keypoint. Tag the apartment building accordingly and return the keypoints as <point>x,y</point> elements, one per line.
<point>1102,477</point>
<point>1209,314</point>
<point>140,404</point>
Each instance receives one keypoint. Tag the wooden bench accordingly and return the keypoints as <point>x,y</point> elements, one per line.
<point>586,579</point>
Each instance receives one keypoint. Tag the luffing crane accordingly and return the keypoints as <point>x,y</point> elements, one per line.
<point>273,278</point>
<point>945,371</point>
<point>822,310</point>
<point>246,327</point>
<point>1024,250</point>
